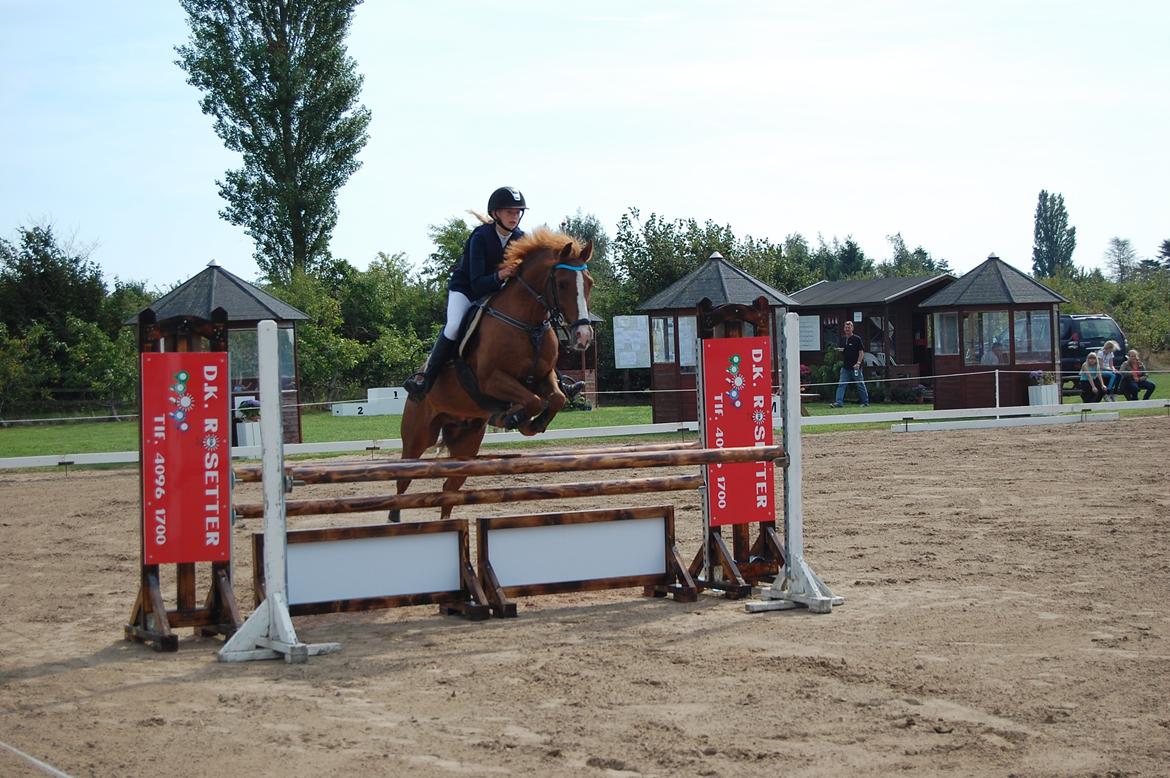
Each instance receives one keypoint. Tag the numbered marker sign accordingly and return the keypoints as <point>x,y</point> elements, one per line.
<point>737,408</point>
<point>186,455</point>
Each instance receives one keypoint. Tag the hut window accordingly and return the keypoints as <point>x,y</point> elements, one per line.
<point>686,344</point>
<point>981,331</point>
<point>662,335</point>
<point>1033,332</point>
<point>946,333</point>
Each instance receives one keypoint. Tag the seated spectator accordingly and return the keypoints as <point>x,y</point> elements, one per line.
<point>1092,382</point>
<point>994,356</point>
<point>1108,371</point>
<point>1134,377</point>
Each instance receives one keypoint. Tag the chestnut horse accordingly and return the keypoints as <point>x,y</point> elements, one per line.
<point>512,354</point>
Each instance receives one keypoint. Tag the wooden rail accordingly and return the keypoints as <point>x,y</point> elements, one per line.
<point>557,463</point>
<point>389,502</point>
<point>392,470</point>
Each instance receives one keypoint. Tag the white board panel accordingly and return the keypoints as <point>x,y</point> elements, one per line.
<point>810,333</point>
<point>631,341</point>
<point>578,552</point>
<point>372,567</point>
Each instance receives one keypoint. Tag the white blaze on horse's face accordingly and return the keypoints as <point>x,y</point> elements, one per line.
<point>582,333</point>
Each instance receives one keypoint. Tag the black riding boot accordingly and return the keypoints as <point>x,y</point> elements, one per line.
<point>569,387</point>
<point>419,384</point>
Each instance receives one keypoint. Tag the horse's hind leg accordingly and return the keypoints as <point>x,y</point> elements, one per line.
<point>420,431</point>
<point>462,441</point>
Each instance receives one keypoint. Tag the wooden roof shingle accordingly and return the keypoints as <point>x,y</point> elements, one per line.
<point>720,282</point>
<point>994,282</point>
<point>214,288</point>
<point>867,291</point>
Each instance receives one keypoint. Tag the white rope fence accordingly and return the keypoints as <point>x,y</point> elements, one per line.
<point>601,392</point>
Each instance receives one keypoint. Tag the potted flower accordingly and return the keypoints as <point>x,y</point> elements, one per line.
<point>1044,390</point>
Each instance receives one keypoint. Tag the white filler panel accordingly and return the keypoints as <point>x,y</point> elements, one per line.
<point>372,567</point>
<point>578,552</point>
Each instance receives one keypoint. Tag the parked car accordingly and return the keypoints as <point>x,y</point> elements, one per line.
<point>1081,333</point>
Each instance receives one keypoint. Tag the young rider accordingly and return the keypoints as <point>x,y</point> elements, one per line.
<point>477,275</point>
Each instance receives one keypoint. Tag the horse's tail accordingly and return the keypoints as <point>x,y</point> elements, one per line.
<point>482,219</point>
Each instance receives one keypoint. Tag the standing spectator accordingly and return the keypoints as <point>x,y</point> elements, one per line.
<point>852,349</point>
<point>1108,371</point>
<point>1092,382</point>
<point>1134,377</point>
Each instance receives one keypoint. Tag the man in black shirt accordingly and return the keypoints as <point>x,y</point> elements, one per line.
<point>852,349</point>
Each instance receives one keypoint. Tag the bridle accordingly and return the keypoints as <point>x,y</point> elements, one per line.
<point>553,315</point>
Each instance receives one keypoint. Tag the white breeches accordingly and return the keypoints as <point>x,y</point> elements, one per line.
<point>457,305</point>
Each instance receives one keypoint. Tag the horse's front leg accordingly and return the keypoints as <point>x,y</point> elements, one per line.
<point>555,400</point>
<point>524,403</point>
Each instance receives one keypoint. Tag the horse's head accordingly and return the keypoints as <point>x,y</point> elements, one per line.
<point>555,269</point>
<point>570,285</point>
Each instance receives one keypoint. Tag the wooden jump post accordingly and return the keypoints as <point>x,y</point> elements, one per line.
<point>171,510</point>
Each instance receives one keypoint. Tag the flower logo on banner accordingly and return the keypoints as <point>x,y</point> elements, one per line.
<point>735,380</point>
<point>181,400</point>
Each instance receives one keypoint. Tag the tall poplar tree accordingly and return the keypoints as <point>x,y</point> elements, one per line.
<point>276,78</point>
<point>1053,240</point>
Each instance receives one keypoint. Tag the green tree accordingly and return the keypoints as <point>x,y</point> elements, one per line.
<point>651,255</point>
<point>1121,259</point>
<point>449,238</point>
<point>43,281</point>
<point>27,367</point>
<point>852,260</point>
<point>904,262</point>
<point>1053,240</point>
<point>587,227</point>
<point>1164,254</point>
<point>126,299</point>
<point>105,366</point>
<point>283,93</point>
<point>328,360</point>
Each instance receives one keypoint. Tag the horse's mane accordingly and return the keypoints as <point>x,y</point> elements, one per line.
<point>540,238</point>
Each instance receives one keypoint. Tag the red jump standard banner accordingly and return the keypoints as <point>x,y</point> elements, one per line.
<point>186,455</point>
<point>737,411</point>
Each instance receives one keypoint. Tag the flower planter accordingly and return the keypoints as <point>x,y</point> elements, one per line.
<point>247,433</point>
<point>1045,394</point>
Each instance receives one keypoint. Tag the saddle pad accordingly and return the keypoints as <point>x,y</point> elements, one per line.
<point>470,322</point>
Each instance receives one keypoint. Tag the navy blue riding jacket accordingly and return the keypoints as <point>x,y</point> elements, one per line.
<point>475,275</point>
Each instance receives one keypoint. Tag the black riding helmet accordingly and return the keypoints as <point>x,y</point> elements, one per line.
<point>506,197</point>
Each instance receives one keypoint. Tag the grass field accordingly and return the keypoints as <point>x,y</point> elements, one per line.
<point>316,427</point>
<point>321,426</point>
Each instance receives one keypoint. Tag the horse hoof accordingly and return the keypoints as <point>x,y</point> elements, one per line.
<point>395,517</point>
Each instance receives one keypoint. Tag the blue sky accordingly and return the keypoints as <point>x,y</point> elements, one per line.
<point>941,121</point>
